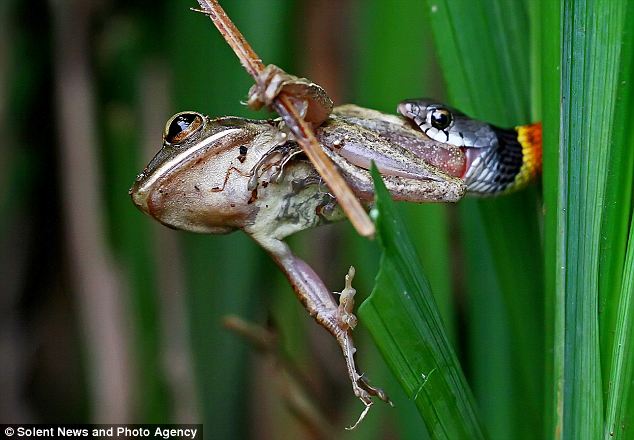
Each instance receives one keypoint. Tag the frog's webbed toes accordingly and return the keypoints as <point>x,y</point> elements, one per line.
<point>309,99</point>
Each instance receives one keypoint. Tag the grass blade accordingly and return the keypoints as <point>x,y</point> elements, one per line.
<point>588,84</point>
<point>550,13</point>
<point>402,316</point>
<point>618,198</point>
<point>619,413</point>
<point>616,302</point>
<point>489,339</point>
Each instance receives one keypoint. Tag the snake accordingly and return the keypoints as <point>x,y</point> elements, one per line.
<point>499,160</point>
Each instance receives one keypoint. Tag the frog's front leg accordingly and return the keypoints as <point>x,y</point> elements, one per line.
<point>310,99</point>
<point>275,160</point>
<point>320,303</point>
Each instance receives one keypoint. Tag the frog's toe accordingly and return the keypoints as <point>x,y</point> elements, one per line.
<point>347,319</point>
<point>374,391</point>
<point>268,85</point>
<point>309,99</point>
<point>364,391</point>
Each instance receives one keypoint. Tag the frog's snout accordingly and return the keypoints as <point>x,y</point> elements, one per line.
<point>139,197</point>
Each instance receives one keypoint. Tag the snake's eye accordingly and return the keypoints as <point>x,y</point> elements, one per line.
<point>440,118</point>
<point>181,126</point>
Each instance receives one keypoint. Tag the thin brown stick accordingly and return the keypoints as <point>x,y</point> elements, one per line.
<point>301,130</point>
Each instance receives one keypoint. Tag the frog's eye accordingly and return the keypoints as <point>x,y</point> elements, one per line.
<point>181,126</point>
<point>440,118</point>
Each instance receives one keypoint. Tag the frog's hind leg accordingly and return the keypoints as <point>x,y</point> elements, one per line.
<point>320,303</point>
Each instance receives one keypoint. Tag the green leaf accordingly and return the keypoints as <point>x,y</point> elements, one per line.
<point>616,288</point>
<point>590,33</point>
<point>487,333</point>
<point>550,14</point>
<point>618,192</point>
<point>618,409</point>
<point>402,316</point>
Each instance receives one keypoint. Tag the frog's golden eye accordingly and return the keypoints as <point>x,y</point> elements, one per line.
<point>440,118</point>
<point>181,126</point>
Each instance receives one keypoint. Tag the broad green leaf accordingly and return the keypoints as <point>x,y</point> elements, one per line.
<point>590,35</point>
<point>487,335</point>
<point>402,316</point>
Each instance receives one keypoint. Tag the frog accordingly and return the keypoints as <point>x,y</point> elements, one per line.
<point>223,174</point>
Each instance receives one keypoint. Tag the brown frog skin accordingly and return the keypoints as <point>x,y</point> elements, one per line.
<point>219,175</point>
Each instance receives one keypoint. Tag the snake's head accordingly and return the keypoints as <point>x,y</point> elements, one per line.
<point>446,124</point>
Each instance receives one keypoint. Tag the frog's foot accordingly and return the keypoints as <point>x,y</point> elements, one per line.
<point>360,385</point>
<point>311,100</point>
<point>347,322</point>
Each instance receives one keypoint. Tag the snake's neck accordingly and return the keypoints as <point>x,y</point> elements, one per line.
<point>530,138</point>
<point>511,164</point>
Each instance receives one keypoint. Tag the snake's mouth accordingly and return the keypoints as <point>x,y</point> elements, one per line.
<point>471,155</point>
